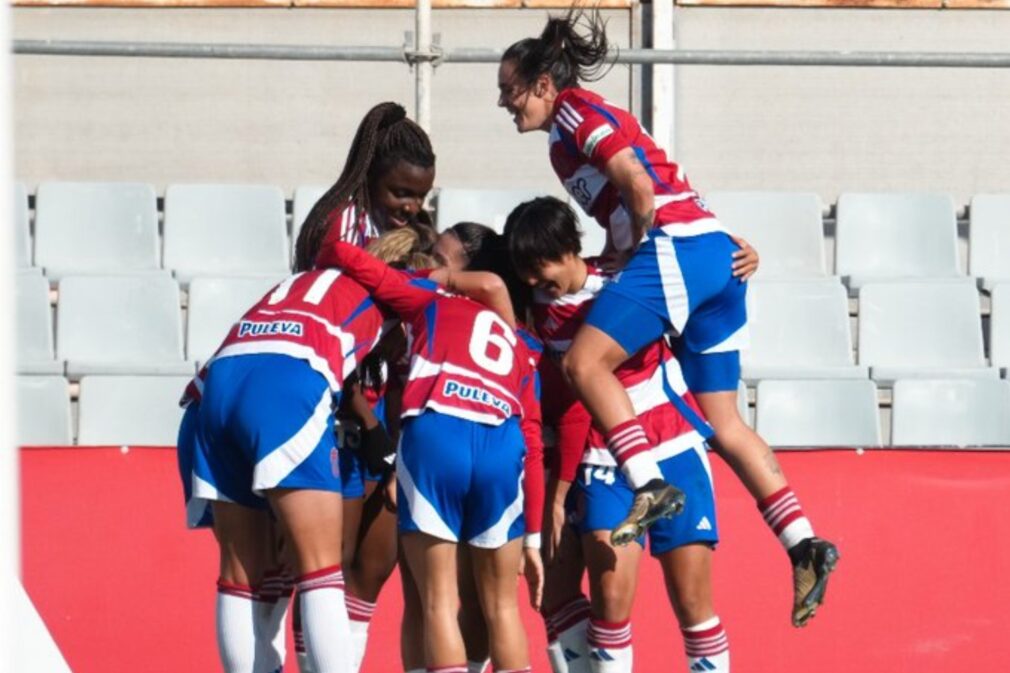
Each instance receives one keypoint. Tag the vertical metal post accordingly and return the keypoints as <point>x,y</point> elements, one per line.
<point>663,76</point>
<point>423,68</point>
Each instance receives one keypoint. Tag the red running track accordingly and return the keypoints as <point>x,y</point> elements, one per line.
<point>922,587</point>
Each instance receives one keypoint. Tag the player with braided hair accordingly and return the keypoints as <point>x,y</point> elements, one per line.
<point>389,170</point>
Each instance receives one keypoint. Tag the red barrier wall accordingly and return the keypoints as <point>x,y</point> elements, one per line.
<point>922,587</point>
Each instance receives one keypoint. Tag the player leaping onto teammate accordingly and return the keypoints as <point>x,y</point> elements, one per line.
<point>676,277</point>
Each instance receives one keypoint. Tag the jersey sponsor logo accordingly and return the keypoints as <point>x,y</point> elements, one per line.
<point>476,394</point>
<point>251,328</point>
<point>594,138</point>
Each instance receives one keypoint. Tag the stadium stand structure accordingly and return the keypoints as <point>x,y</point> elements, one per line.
<point>135,410</point>
<point>818,413</point>
<point>217,230</point>
<point>96,228</point>
<point>146,323</point>
<point>989,239</point>
<point>964,412</point>
<point>44,417</point>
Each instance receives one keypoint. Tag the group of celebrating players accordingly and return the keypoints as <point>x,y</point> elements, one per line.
<point>389,404</point>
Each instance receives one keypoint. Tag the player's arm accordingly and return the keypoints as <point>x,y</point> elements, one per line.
<point>386,285</point>
<point>482,286</point>
<point>533,487</point>
<point>631,179</point>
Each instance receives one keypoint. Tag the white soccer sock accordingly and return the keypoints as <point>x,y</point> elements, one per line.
<point>477,666</point>
<point>360,614</point>
<point>784,515</point>
<point>271,607</point>
<point>324,620</point>
<point>609,646</point>
<point>566,629</point>
<point>707,647</point>
<point>629,445</point>
<point>236,627</point>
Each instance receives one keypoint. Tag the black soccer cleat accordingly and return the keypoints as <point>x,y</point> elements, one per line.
<point>655,500</point>
<point>813,560</point>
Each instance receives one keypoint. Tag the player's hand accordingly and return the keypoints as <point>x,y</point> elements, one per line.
<point>532,567</point>
<point>376,449</point>
<point>389,493</point>
<point>745,260</point>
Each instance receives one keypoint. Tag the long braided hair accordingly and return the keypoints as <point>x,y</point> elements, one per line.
<point>384,137</point>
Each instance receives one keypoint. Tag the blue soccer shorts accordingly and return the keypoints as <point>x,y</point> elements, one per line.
<point>265,421</point>
<point>460,480</point>
<point>605,498</point>
<point>682,286</point>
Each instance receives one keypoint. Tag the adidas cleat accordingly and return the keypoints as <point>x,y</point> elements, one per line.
<point>813,560</point>
<point>655,500</point>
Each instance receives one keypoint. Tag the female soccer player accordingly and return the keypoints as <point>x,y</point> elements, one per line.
<point>470,380</point>
<point>677,278</point>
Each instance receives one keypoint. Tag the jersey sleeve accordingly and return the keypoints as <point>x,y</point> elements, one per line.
<point>570,420</point>
<point>533,481</point>
<point>596,132</point>
<point>405,295</point>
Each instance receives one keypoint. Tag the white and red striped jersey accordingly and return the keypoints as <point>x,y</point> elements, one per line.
<point>672,419</point>
<point>350,224</point>
<point>320,316</point>
<point>586,133</point>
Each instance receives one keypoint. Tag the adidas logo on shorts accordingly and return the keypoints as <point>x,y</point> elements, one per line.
<point>704,524</point>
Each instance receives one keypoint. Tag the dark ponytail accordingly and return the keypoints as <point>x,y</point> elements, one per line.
<point>569,55</point>
<point>384,137</point>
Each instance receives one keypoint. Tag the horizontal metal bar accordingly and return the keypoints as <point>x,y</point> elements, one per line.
<point>483,55</point>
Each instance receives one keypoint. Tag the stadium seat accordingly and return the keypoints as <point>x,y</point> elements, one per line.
<point>741,404</point>
<point>989,239</point>
<point>44,418</point>
<point>34,326</point>
<point>484,206</point>
<point>120,325</point>
<point>214,306</point>
<point>818,413</point>
<point>594,237</point>
<point>924,329</point>
<point>962,412</point>
<point>225,230</point>
<point>786,228</point>
<point>22,227</point>
<point>96,227</point>
<point>305,198</point>
<point>137,410</point>
<point>799,330</point>
<point>999,326</point>
<point>898,236</point>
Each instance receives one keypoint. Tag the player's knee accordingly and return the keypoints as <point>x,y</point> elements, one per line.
<point>691,604</point>
<point>578,368</point>
<point>614,602</point>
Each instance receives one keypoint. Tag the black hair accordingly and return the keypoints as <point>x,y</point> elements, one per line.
<point>384,137</point>
<point>564,52</point>
<point>492,255</point>
<point>475,238</point>
<point>542,230</point>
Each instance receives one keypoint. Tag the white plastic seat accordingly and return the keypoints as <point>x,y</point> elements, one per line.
<point>484,206</point>
<point>989,238</point>
<point>818,413</point>
<point>799,330</point>
<point>34,326</point>
<point>96,227</point>
<point>882,237</point>
<point>305,198</point>
<point>214,306</point>
<point>119,325</point>
<point>999,326</point>
<point>924,329</point>
<point>43,404</point>
<point>962,412</point>
<point>130,410</point>
<point>22,227</point>
<point>225,230</point>
<point>786,228</point>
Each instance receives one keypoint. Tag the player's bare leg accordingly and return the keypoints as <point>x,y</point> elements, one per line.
<point>688,574</point>
<point>495,571</point>
<point>433,564</point>
<point>472,625</point>
<point>565,609</point>
<point>589,366</point>
<point>755,465</point>
<point>312,520</point>
<point>613,579</point>
<point>411,626</point>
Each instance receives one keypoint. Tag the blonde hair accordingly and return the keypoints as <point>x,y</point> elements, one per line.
<point>403,247</point>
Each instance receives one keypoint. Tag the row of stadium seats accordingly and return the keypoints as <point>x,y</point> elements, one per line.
<point>143,410</point>
<point>218,230</point>
<point>133,324</point>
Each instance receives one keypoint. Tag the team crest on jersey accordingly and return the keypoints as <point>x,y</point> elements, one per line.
<point>476,394</point>
<point>252,328</point>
